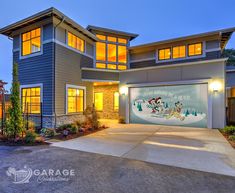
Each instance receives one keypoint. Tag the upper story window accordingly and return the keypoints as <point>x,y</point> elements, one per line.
<point>164,54</point>
<point>111,52</point>
<point>179,52</point>
<point>76,42</point>
<point>31,42</point>
<point>195,49</point>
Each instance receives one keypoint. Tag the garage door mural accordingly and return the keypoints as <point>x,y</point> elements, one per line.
<point>183,105</point>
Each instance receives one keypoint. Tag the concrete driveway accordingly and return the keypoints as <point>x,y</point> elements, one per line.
<point>191,148</point>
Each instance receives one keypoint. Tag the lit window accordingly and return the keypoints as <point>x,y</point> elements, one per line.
<point>122,41</point>
<point>31,100</point>
<point>112,39</point>
<point>164,54</point>
<point>122,67</point>
<point>101,37</point>
<point>112,52</point>
<point>75,42</point>
<point>98,101</point>
<point>195,49</point>
<point>116,101</point>
<point>75,100</point>
<point>31,42</point>
<point>100,51</point>
<point>122,54</point>
<point>112,66</point>
<point>100,65</point>
<point>179,52</point>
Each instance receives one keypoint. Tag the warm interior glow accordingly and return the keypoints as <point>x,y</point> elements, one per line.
<point>101,37</point>
<point>195,49</point>
<point>100,51</point>
<point>116,101</point>
<point>179,52</point>
<point>30,100</point>
<point>112,66</point>
<point>123,90</point>
<point>100,65</point>
<point>122,54</point>
<point>75,100</point>
<point>122,41</point>
<point>112,53</point>
<point>75,42</point>
<point>31,42</point>
<point>98,97</point>
<point>112,39</point>
<point>164,54</point>
<point>122,67</point>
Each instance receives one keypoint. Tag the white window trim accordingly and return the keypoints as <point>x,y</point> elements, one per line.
<point>33,54</point>
<point>66,97</point>
<point>203,55</point>
<point>40,85</point>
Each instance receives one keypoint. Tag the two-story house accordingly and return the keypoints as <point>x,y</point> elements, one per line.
<point>65,68</point>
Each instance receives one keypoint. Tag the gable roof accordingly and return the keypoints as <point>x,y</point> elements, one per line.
<point>224,34</point>
<point>44,15</point>
<point>112,31</point>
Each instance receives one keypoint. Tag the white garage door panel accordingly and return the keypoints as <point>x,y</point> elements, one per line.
<point>182,105</point>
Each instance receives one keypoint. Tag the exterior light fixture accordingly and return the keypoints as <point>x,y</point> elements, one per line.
<point>216,86</point>
<point>123,90</point>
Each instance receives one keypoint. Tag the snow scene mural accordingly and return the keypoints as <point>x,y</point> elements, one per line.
<point>182,105</point>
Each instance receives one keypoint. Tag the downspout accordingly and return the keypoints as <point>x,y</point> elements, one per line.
<point>54,60</point>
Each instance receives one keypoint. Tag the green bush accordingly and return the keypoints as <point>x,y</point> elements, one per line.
<point>229,130</point>
<point>50,132</point>
<point>73,129</point>
<point>232,138</point>
<point>30,136</point>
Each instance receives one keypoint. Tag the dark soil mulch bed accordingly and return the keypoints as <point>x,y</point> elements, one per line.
<point>79,134</point>
<point>226,137</point>
<point>20,142</point>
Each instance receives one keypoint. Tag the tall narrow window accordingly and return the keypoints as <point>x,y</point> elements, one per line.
<point>164,54</point>
<point>75,100</point>
<point>30,100</point>
<point>122,54</point>
<point>98,100</point>
<point>179,52</point>
<point>112,53</point>
<point>116,101</point>
<point>100,51</point>
<point>31,42</point>
<point>195,49</point>
<point>76,42</point>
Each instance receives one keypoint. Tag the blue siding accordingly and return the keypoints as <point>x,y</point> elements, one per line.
<point>38,69</point>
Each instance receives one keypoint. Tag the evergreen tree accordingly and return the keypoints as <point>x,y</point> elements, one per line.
<point>166,106</point>
<point>15,121</point>
<point>195,114</point>
<point>187,113</point>
<point>140,107</point>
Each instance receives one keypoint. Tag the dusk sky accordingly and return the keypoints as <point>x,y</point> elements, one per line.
<point>153,20</point>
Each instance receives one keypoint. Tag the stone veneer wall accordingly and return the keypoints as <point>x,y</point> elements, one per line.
<point>108,101</point>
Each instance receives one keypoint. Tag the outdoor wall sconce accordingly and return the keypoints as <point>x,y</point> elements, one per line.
<point>216,86</point>
<point>123,90</point>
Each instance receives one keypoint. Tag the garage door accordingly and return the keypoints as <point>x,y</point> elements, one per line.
<point>181,105</point>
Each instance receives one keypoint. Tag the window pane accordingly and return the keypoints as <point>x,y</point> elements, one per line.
<point>112,66</point>
<point>26,49</point>
<point>98,101</point>
<point>71,104</point>
<point>75,100</point>
<point>80,104</point>
<point>179,52</point>
<point>195,49</point>
<point>121,40</point>
<point>198,49</point>
<point>116,101</point>
<point>101,37</point>
<point>164,54</point>
<point>80,44</point>
<point>122,67</point>
<point>112,49</point>
<point>122,54</point>
<point>76,42</point>
<point>100,51</point>
<point>112,39</point>
<point>26,36</point>
<point>36,44</point>
<point>100,65</point>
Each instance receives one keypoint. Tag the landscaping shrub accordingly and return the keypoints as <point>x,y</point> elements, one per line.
<point>30,136</point>
<point>50,132</point>
<point>232,138</point>
<point>91,118</point>
<point>229,130</point>
<point>73,129</point>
